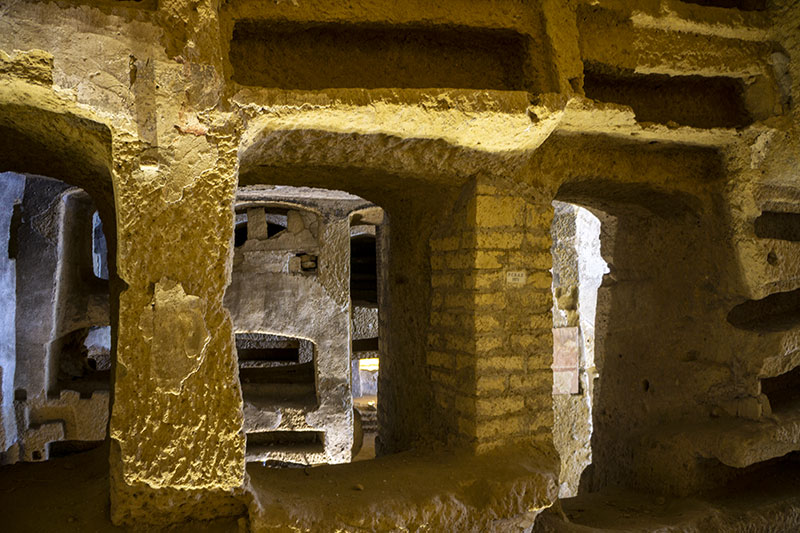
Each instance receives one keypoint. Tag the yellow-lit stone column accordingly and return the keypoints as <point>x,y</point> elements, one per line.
<point>176,424</point>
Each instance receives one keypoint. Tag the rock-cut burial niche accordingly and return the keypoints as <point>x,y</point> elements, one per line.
<point>698,101</point>
<point>776,312</point>
<point>743,5</point>
<point>277,374</point>
<point>778,225</point>
<point>277,367</point>
<point>299,253</point>
<point>783,392</point>
<point>292,275</point>
<point>267,233</point>
<point>288,55</point>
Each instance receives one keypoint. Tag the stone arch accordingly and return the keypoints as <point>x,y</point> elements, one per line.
<point>44,136</point>
<point>405,178</point>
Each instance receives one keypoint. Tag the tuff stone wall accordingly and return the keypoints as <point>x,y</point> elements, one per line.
<point>146,108</point>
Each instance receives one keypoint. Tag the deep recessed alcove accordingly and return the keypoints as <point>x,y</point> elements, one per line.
<point>313,56</point>
<point>697,101</point>
<point>777,225</point>
<point>264,443</point>
<point>114,6</point>
<point>783,391</point>
<point>776,312</point>
<point>743,5</point>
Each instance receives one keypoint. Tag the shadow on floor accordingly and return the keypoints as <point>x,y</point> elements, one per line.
<point>71,494</point>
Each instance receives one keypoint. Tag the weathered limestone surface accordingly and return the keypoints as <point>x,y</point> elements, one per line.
<point>437,491</point>
<point>676,123</point>
<point>177,296</point>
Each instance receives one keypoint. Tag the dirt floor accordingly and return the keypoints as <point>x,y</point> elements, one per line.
<point>70,494</point>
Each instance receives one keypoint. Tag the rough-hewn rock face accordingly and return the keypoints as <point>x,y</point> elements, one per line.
<point>675,122</point>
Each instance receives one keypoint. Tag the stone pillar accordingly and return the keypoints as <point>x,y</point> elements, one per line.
<point>176,423</point>
<point>491,347</point>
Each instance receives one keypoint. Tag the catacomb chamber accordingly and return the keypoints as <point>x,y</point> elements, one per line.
<point>586,300</point>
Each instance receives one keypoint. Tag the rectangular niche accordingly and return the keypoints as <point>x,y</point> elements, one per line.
<point>776,225</point>
<point>261,350</point>
<point>697,101</point>
<point>276,369</point>
<point>322,56</point>
<point>783,391</point>
<point>150,5</point>
<point>744,5</point>
<point>298,442</point>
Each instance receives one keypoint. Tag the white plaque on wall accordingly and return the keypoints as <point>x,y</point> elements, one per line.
<point>516,278</point>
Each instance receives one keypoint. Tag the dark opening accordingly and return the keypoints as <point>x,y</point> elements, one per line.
<point>772,258</point>
<point>365,345</point>
<point>62,448</point>
<point>322,56</point>
<point>701,102</point>
<point>776,312</point>
<point>288,355</point>
<point>783,226</point>
<point>744,5</point>
<point>276,223</point>
<point>300,375</point>
<point>79,367</point>
<point>240,234</point>
<point>302,441</point>
<point>783,391</point>
<point>150,5</point>
<point>275,228</point>
<point>266,350</point>
<point>274,368</point>
<point>364,270</point>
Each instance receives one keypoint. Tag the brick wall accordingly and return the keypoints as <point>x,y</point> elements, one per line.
<point>490,346</point>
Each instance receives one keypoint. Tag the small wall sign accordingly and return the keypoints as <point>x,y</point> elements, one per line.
<point>516,278</point>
